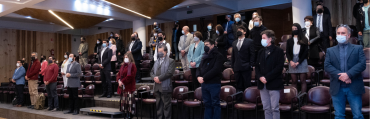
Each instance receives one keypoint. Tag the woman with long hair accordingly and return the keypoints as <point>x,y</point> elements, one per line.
<point>221,41</point>
<point>97,49</point>
<point>112,45</point>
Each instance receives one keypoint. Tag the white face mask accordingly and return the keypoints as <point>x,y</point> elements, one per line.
<point>196,39</point>
<point>18,65</point>
<point>126,60</point>
<point>341,39</point>
<point>307,23</point>
<point>264,42</point>
<point>155,35</point>
<point>65,56</point>
<point>257,24</point>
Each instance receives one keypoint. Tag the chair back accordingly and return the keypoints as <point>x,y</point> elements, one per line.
<point>187,75</point>
<point>322,57</point>
<point>367,54</point>
<point>80,92</point>
<point>60,88</point>
<point>87,76</point>
<point>251,93</point>
<point>227,91</point>
<point>287,95</point>
<point>311,69</point>
<point>319,95</point>
<point>229,50</point>
<point>283,46</point>
<point>89,90</point>
<point>365,73</point>
<point>97,77</point>
<point>142,89</point>
<point>175,76</point>
<point>198,94</point>
<point>178,90</point>
<point>365,97</point>
<point>145,64</point>
<point>146,56</point>
<point>285,38</point>
<point>87,67</point>
<point>95,67</point>
<point>227,73</point>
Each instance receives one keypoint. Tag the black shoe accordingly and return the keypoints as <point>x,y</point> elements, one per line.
<point>70,111</point>
<point>76,112</point>
<point>55,109</point>
<point>31,106</point>
<point>109,96</point>
<point>137,81</point>
<point>49,109</point>
<point>103,95</point>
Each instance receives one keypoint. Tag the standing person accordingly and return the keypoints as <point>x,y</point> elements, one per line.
<point>73,73</point>
<point>120,48</point>
<point>18,79</point>
<point>65,63</point>
<point>97,49</point>
<point>326,10</point>
<point>239,22</point>
<point>242,60</point>
<point>44,64</point>
<point>161,73</point>
<point>297,53</point>
<point>358,6</point>
<point>126,80</point>
<point>229,30</point>
<point>113,47</point>
<point>256,34</point>
<point>269,65</point>
<point>24,64</point>
<point>32,77</point>
<point>135,49</point>
<point>345,64</point>
<point>156,27</point>
<point>221,41</point>
<point>210,34</point>
<point>111,35</point>
<point>185,41</point>
<point>209,74</point>
<point>313,35</point>
<point>162,41</point>
<point>323,22</point>
<point>105,56</point>
<point>196,51</point>
<point>363,24</point>
<point>82,51</point>
<point>176,39</point>
<point>50,80</point>
<point>251,22</point>
<point>153,42</point>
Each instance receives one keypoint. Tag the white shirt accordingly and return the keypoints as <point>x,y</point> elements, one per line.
<point>296,46</point>
<point>319,17</point>
<point>308,32</point>
<point>102,53</point>
<point>132,43</point>
<point>168,50</point>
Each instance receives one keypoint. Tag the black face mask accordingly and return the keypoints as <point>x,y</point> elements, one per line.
<point>160,38</point>
<point>366,1</point>
<point>50,61</point>
<point>176,25</point>
<point>133,38</point>
<point>295,32</point>
<point>206,49</point>
<point>320,11</point>
<point>239,33</point>
<point>33,58</point>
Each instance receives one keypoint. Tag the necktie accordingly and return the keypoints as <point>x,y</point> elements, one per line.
<point>209,35</point>
<point>319,23</point>
<point>239,44</point>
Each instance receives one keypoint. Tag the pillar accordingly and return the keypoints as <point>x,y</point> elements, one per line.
<point>301,9</point>
<point>139,27</point>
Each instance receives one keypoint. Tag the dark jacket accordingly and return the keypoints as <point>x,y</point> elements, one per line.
<point>25,66</point>
<point>34,70</point>
<point>212,34</point>
<point>229,29</point>
<point>326,25</point>
<point>97,48</point>
<point>235,28</point>
<point>136,49</point>
<point>107,56</point>
<point>178,35</point>
<point>360,19</point>
<point>356,64</point>
<point>243,59</point>
<point>303,52</point>
<point>210,67</point>
<point>256,36</point>
<point>356,8</point>
<point>120,47</point>
<point>314,38</point>
<point>222,45</point>
<point>270,67</point>
<point>326,11</point>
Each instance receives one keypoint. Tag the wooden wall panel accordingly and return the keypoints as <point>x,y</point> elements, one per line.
<point>91,40</point>
<point>126,36</point>
<point>62,45</point>
<point>280,21</point>
<point>8,53</point>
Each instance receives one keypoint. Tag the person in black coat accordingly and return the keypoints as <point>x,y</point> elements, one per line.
<point>324,27</point>
<point>242,60</point>
<point>175,40</point>
<point>104,58</point>
<point>120,48</point>
<point>210,34</point>
<point>313,35</point>
<point>221,41</point>
<point>269,68</point>
<point>256,34</point>
<point>97,49</point>
<point>238,22</point>
<point>25,64</point>
<point>357,7</point>
<point>326,10</point>
<point>135,48</point>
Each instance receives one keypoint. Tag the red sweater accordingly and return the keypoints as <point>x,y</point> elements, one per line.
<point>51,73</point>
<point>33,72</point>
<point>127,80</point>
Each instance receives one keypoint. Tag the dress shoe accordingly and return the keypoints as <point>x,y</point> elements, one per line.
<point>55,109</point>
<point>109,96</point>
<point>70,111</point>
<point>103,95</point>
<point>76,112</point>
<point>31,107</point>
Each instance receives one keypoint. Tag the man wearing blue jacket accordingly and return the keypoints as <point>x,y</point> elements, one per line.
<point>18,79</point>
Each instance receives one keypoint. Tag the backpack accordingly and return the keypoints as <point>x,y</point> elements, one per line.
<point>40,102</point>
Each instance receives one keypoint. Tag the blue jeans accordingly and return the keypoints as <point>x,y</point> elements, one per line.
<point>354,100</point>
<point>211,99</point>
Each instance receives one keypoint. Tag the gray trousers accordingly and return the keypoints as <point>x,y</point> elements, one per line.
<point>270,102</point>
<point>163,104</point>
<point>366,38</point>
<point>51,89</point>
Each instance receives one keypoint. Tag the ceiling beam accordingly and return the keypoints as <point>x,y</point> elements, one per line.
<point>9,7</point>
<point>229,5</point>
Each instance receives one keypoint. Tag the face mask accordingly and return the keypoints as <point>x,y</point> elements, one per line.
<point>104,45</point>
<point>264,42</point>
<point>366,1</point>
<point>126,60</point>
<point>196,39</point>
<point>176,25</point>
<point>50,61</point>
<point>307,23</point>
<point>237,19</point>
<point>155,34</point>
<point>182,32</point>
<point>295,32</point>
<point>160,54</point>
<point>97,42</point>
<point>209,27</point>
<point>110,42</point>
<point>160,38</point>
<point>65,56</point>
<point>320,11</point>
<point>111,34</point>
<point>33,58</point>
<point>239,33</point>
<point>133,38</point>
<point>70,59</point>
<point>256,24</point>
<point>206,49</point>
<point>18,65</point>
<point>341,39</point>
<point>217,32</point>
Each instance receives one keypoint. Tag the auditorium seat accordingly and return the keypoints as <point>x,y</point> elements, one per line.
<point>11,91</point>
<point>88,93</point>
<point>87,68</point>
<point>176,76</point>
<point>95,68</point>
<point>65,97</point>
<point>226,100</point>
<point>60,93</point>
<point>318,101</point>
<point>251,101</point>
<point>149,101</point>
<point>60,79</point>
<point>367,54</point>
<point>283,46</point>
<point>365,75</point>
<point>113,82</point>
<point>196,102</point>
<point>229,52</point>
<point>145,68</point>
<point>146,56</point>
<point>253,77</point>
<point>97,78</point>
<point>177,98</point>
<point>353,40</point>
<point>365,103</point>
<point>326,79</point>
<point>288,99</point>
<point>88,78</point>
<point>185,81</point>
<point>228,77</point>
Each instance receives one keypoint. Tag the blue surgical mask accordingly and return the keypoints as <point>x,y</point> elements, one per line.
<point>104,45</point>
<point>217,32</point>
<point>256,24</point>
<point>209,27</point>
<point>264,42</point>
<point>70,59</point>
<point>237,19</point>
<point>110,42</point>
<point>341,39</point>
<point>182,32</point>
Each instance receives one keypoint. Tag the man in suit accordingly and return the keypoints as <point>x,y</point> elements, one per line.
<point>120,48</point>
<point>73,83</point>
<point>323,22</point>
<point>82,51</point>
<point>210,34</point>
<point>242,59</point>
<point>229,30</point>
<point>185,41</point>
<point>161,73</point>
<point>345,64</point>
<point>176,31</point>
<point>135,48</point>
<point>326,10</point>
<point>105,55</point>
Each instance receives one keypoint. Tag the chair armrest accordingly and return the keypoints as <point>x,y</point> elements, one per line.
<point>187,93</point>
<point>300,100</point>
<point>141,93</point>
<point>233,95</point>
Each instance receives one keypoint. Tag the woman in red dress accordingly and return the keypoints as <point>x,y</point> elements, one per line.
<point>126,81</point>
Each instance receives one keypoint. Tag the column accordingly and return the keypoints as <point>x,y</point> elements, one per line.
<point>301,9</point>
<point>139,27</point>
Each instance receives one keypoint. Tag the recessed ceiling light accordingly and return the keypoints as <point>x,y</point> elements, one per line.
<point>127,9</point>
<point>60,19</point>
<point>29,17</point>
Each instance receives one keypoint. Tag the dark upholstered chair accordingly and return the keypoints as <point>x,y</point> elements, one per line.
<point>288,99</point>
<point>88,78</point>
<point>228,77</point>
<point>177,98</point>
<point>145,68</point>
<point>87,68</point>
<point>318,101</point>
<point>95,68</point>
<point>226,101</point>
<point>149,101</point>
<point>367,54</point>
<point>97,78</point>
<point>186,79</point>
<point>194,103</point>
<point>285,38</point>
<point>89,94</point>
<point>365,75</point>
<point>251,101</point>
<point>326,79</point>
<point>365,103</point>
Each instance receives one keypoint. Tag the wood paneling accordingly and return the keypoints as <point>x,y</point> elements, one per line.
<point>126,36</point>
<point>280,21</point>
<point>91,40</point>
<point>8,54</point>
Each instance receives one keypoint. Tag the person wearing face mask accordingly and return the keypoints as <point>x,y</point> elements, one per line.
<point>251,23</point>
<point>325,9</point>
<point>113,47</point>
<point>44,64</point>
<point>229,30</point>
<point>358,6</point>
<point>50,80</point>
<point>73,72</point>
<point>176,39</point>
<point>210,34</point>
<point>313,35</point>
<point>239,22</point>
<point>82,51</point>
<point>156,27</point>
<point>135,49</point>
<point>242,60</point>
<point>104,61</point>
<point>221,41</point>
<point>323,22</point>
<point>297,53</point>
<point>111,35</point>
<point>256,34</point>
<point>126,83</point>
<point>18,79</point>
<point>65,63</point>
<point>185,41</point>
<point>269,65</point>
<point>32,77</point>
<point>120,48</point>
<point>196,51</point>
<point>209,75</point>
<point>153,42</point>
<point>162,41</point>
<point>345,63</point>
<point>363,24</point>
<point>97,49</point>
<point>161,73</point>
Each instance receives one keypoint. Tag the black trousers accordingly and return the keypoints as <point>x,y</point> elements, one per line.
<point>325,42</point>
<point>196,83</point>
<point>19,91</point>
<point>243,80</point>
<point>138,74</point>
<point>73,98</point>
<point>106,81</point>
<point>113,66</point>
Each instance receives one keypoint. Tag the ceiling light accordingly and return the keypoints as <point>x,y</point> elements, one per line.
<point>110,19</point>
<point>29,17</point>
<point>60,19</point>
<point>127,9</point>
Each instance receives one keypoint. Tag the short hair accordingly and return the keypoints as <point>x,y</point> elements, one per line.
<point>198,34</point>
<point>20,61</point>
<point>137,34</point>
<point>52,57</point>
<point>106,40</point>
<point>113,41</point>
<point>308,18</point>
<point>243,28</point>
<point>99,40</point>
<point>349,30</point>
<point>255,12</point>
<point>210,23</point>
<point>164,47</point>
<point>210,42</point>
<point>83,38</point>
<point>237,14</point>
<point>155,31</point>
<point>270,34</point>
<point>161,32</point>
<point>187,28</point>
<point>220,29</point>
<point>260,17</point>
<point>111,33</point>
<point>34,53</point>
<point>74,55</point>
<point>67,53</point>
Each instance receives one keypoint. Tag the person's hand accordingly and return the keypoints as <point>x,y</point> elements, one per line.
<point>309,43</point>
<point>119,53</point>
<point>348,81</point>
<point>200,80</point>
<point>26,77</point>
<point>95,53</point>
<point>216,43</point>
<point>68,75</point>
<point>360,33</point>
<point>292,64</point>
<point>193,64</point>
<point>13,80</point>
<point>343,77</point>
<point>128,51</point>
<point>63,73</point>
<point>156,79</point>
<point>225,32</point>
<point>263,80</point>
<point>46,82</point>
<point>330,38</point>
<point>119,83</point>
<point>296,64</point>
<point>80,53</point>
<point>153,44</point>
